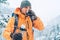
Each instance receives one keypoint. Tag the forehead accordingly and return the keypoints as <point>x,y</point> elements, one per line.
<point>28,7</point>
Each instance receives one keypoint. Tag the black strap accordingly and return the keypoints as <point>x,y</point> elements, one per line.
<point>15,24</point>
<point>16,21</point>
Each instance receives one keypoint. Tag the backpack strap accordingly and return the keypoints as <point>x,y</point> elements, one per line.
<point>15,24</point>
<point>16,21</point>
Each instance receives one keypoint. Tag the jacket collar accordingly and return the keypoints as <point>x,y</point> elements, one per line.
<point>19,13</point>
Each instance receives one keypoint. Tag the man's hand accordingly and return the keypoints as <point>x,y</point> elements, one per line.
<point>32,15</point>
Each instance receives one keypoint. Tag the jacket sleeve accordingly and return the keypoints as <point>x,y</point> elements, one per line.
<point>38,24</point>
<point>9,29</point>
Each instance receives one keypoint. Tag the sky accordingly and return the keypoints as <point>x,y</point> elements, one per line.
<point>45,9</point>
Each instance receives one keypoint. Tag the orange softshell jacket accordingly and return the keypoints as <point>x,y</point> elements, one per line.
<point>22,20</point>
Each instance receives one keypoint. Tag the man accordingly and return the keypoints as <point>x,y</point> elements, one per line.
<point>26,19</point>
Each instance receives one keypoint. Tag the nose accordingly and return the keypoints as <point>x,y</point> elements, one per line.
<point>28,8</point>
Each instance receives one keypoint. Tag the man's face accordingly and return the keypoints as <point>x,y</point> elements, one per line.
<point>25,9</point>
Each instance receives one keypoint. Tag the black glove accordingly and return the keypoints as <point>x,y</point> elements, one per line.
<point>32,15</point>
<point>17,36</point>
<point>11,35</point>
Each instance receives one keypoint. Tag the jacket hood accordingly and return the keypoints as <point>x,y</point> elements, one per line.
<point>17,11</point>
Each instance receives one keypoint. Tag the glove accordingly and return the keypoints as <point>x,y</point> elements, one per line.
<point>11,35</point>
<point>17,36</point>
<point>32,15</point>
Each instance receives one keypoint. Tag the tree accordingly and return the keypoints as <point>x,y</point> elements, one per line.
<point>3,1</point>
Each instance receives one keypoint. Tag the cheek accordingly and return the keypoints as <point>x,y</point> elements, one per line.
<point>24,10</point>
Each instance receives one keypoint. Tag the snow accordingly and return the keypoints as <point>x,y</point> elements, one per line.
<point>52,29</point>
